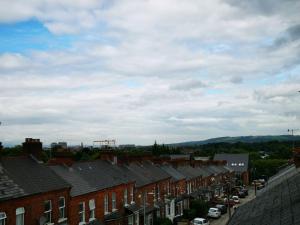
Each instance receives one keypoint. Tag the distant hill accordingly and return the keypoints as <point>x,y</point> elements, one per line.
<point>245,139</point>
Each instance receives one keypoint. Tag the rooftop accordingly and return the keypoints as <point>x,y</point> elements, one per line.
<point>237,162</point>
<point>22,176</point>
<point>279,204</point>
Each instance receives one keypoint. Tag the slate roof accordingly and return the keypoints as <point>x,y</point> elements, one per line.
<point>22,176</point>
<point>234,158</point>
<point>202,171</point>
<point>175,174</point>
<point>216,169</point>
<point>278,205</point>
<point>86,177</point>
<point>188,171</point>
<point>145,172</point>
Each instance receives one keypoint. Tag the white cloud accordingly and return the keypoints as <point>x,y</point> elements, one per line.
<point>146,70</point>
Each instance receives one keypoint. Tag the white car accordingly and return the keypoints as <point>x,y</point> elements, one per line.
<point>214,212</point>
<point>199,221</point>
<point>236,199</point>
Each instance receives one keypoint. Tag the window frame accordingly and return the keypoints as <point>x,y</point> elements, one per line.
<point>125,197</point>
<point>82,213</point>
<point>113,201</point>
<point>131,219</point>
<point>3,217</point>
<point>62,207</point>
<point>20,213</point>
<point>132,194</point>
<point>106,204</point>
<point>92,208</point>
<point>48,211</point>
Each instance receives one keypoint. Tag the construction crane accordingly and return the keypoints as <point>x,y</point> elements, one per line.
<point>105,143</point>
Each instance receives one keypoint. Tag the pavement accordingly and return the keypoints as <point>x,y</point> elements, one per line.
<point>225,217</point>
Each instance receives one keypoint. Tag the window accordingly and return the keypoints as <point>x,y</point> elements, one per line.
<point>168,206</point>
<point>61,207</point>
<point>168,187</point>
<point>106,204</point>
<point>137,218</point>
<point>48,211</point>
<point>92,209</point>
<point>20,216</point>
<point>158,193</point>
<point>2,218</point>
<point>81,212</point>
<point>130,220</point>
<point>131,194</point>
<point>125,197</point>
<point>113,201</point>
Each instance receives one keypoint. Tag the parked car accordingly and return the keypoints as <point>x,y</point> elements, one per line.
<point>214,213</point>
<point>259,186</point>
<point>236,199</point>
<point>199,221</point>
<point>241,194</point>
<point>222,208</point>
<point>229,202</point>
<point>245,190</point>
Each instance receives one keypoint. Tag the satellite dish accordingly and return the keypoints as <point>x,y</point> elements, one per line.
<point>42,220</point>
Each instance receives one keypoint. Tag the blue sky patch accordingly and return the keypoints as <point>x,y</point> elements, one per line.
<point>31,35</point>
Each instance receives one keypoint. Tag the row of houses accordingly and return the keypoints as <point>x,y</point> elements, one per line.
<point>110,190</point>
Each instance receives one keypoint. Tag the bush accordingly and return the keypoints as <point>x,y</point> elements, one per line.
<point>160,221</point>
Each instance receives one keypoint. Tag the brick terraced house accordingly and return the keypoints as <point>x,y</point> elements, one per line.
<point>111,190</point>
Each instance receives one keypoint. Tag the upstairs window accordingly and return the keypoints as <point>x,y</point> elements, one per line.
<point>125,197</point>
<point>113,201</point>
<point>81,213</point>
<point>92,209</point>
<point>131,194</point>
<point>106,204</point>
<point>20,216</point>
<point>48,211</point>
<point>61,207</point>
<point>2,218</point>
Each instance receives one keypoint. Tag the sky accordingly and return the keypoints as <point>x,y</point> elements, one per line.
<point>144,70</point>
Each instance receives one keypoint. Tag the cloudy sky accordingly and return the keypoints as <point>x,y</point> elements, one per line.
<point>145,70</point>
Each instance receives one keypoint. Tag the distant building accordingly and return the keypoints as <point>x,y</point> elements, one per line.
<point>59,145</point>
<point>239,163</point>
<point>198,158</point>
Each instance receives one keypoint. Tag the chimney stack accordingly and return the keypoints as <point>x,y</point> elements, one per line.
<point>33,147</point>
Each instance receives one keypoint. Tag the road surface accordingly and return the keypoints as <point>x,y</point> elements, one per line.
<point>224,218</point>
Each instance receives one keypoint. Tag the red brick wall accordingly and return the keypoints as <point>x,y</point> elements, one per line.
<point>34,207</point>
<point>99,203</point>
<point>178,187</point>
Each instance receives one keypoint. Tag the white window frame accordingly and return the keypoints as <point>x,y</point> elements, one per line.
<point>92,206</point>
<point>132,194</point>
<point>130,219</point>
<point>113,201</point>
<point>82,212</point>
<point>106,205</point>
<point>137,218</point>
<point>3,217</point>
<point>125,197</point>
<point>62,207</point>
<point>20,212</point>
<point>48,211</point>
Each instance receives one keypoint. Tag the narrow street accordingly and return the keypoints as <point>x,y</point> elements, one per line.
<point>224,218</point>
